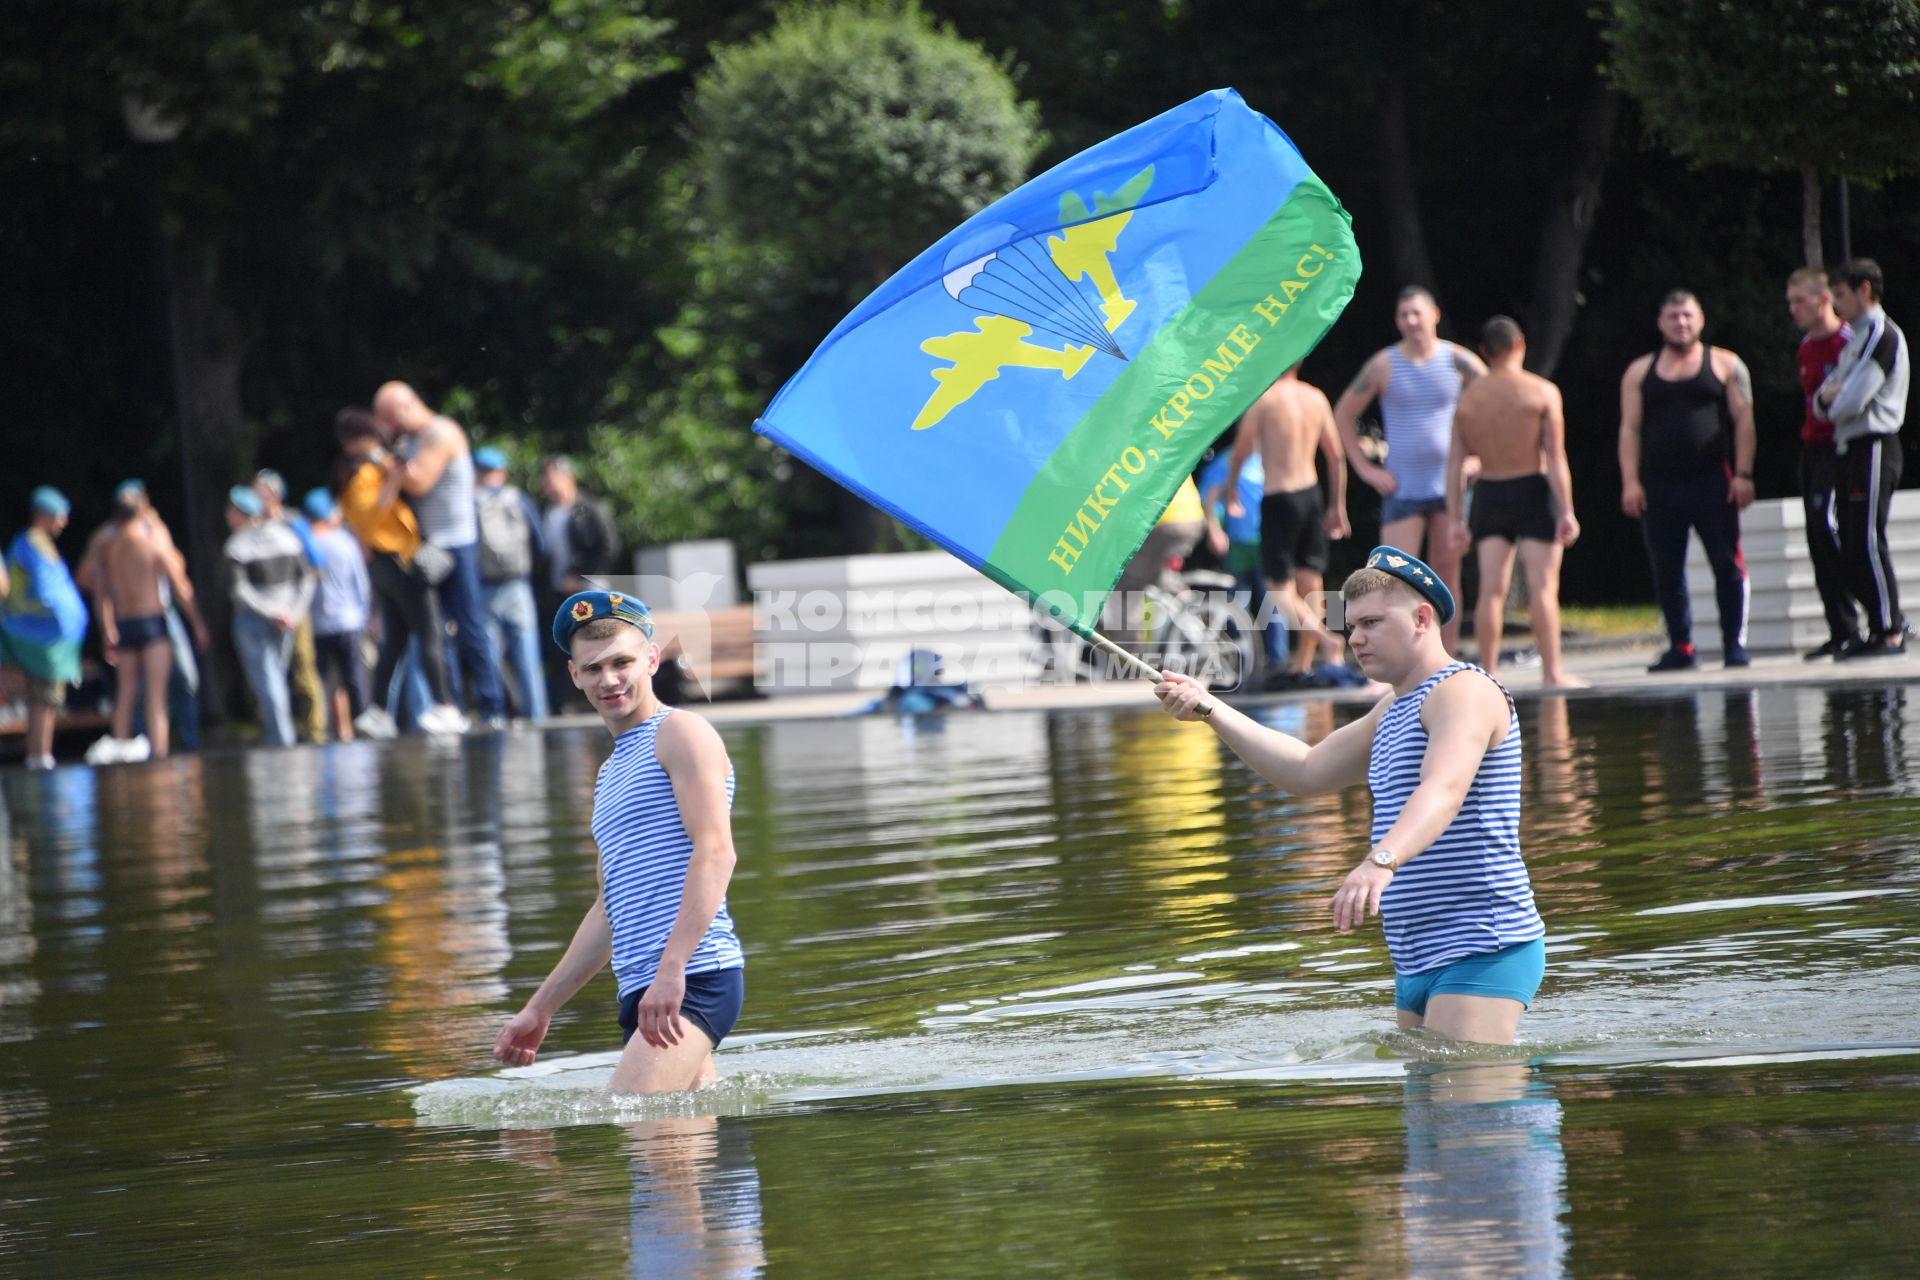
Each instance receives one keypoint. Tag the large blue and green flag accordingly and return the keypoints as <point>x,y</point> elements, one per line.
<point>1031,391</point>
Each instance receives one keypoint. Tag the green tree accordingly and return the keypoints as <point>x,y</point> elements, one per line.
<point>1769,85</point>
<point>849,137</point>
<point>825,153</point>
<point>302,164</point>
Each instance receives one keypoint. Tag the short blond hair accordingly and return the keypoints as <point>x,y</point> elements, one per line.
<point>600,629</point>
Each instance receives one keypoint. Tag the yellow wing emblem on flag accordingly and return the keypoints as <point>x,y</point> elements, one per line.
<point>1024,290</point>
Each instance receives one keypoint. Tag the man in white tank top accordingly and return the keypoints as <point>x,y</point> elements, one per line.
<point>1417,381</point>
<point>692,991</point>
<point>1473,991</point>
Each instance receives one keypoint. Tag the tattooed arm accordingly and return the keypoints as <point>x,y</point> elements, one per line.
<point>1740,407</point>
<point>1468,365</point>
<point>1366,386</point>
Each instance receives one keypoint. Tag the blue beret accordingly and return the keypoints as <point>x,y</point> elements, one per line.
<point>583,607</point>
<point>1416,573</point>
<point>129,491</point>
<point>488,458</point>
<point>49,501</point>
<point>246,501</point>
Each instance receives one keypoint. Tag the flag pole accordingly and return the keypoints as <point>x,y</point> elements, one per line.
<point>1140,667</point>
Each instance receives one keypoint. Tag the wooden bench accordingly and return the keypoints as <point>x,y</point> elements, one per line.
<point>706,648</point>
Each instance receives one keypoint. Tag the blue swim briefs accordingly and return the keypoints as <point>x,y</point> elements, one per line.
<point>1394,507</point>
<point>712,1003</point>
<point>1512,973</point>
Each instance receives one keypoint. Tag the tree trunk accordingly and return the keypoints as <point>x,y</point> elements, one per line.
<point>1810,246</point>
<point>1563,240</point>
<point>1399,188</point>
<point>217,443</point>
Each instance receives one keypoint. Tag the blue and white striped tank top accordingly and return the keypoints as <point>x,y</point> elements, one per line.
<point>1467,893</point>
<point>447,514</point>
<point>644,852</point>
<point>1417,408</point>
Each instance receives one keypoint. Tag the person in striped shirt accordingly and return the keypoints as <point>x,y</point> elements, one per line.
<point>1417,381</point>
<point>1441,756</point>
<point>661,818</point>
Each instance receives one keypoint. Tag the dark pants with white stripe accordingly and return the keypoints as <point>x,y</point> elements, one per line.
<point>1871,472</point>
<point>1819,497</point>
<point>1699,503</point>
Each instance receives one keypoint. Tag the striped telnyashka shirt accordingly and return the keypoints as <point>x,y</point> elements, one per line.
<point>644,852</point>
<point>1417,409</point>
<point>1467,893</point>
<point>447,514</point>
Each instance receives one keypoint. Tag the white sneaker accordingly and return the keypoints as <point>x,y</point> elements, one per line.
<point>443,719</point>
<point>375,723</point>
<point>135,749</point>
<point>105,750</point>
<point>35,763</point>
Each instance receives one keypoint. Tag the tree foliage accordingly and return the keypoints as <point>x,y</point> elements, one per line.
<point>1775,84</point>
<point>850,137</point>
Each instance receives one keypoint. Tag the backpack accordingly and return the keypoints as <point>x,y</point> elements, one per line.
<point>506,543</point>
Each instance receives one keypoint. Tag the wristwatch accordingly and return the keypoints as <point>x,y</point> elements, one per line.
<point>1383,857</point>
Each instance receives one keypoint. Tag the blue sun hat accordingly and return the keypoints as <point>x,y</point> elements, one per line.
<point>582,607</point>
<point>1416,573</point>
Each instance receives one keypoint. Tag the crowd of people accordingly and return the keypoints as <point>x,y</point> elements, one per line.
<point>404,594</point>
<point>419,553</point>
<point>1475,461</point>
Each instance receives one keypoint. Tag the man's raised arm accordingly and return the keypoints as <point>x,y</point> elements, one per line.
<point>1337,760</point>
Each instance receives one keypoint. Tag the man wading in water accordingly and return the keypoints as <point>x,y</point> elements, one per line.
<point>1442,758</point>
<point>661,818</point>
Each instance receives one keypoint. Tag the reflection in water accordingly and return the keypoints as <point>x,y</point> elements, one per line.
<point>1866,740</point>
<point>17,985</point>
<point>695,1210</point>
<point>1485,1191</point>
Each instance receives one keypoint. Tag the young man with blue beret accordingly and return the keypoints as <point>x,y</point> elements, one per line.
<point>661,818</point>
<point>1442,758</point>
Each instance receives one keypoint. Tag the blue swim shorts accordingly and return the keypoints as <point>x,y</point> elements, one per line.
<point>1394,507</point>
<point>1512,973</point>
<point>712,1003</point>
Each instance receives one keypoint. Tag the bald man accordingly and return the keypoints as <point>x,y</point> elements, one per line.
<point>436,475</point>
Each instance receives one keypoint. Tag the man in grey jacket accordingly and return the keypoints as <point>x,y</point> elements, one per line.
<point>1865,398</point>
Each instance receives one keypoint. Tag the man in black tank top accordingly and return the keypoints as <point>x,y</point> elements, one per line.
<point>1686,462</point>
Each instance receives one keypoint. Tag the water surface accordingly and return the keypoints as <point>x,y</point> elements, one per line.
<point>1027,994</point>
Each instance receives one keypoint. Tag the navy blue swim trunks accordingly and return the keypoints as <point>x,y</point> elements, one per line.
<point>139,633</point>
<point>712,1003</point>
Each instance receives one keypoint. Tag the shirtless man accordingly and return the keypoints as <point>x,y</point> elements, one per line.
<point>1417,381</point>
<point>1289,421</point>
<point>134,561</point>
<point>1512,421</point>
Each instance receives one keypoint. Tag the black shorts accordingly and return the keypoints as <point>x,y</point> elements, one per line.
<point>142,633</point>
<point>1521,507</point>
<point>712,1003</point>
<point>1293,533</point>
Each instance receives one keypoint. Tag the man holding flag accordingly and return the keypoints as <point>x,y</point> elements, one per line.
<point>1442,758</point>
